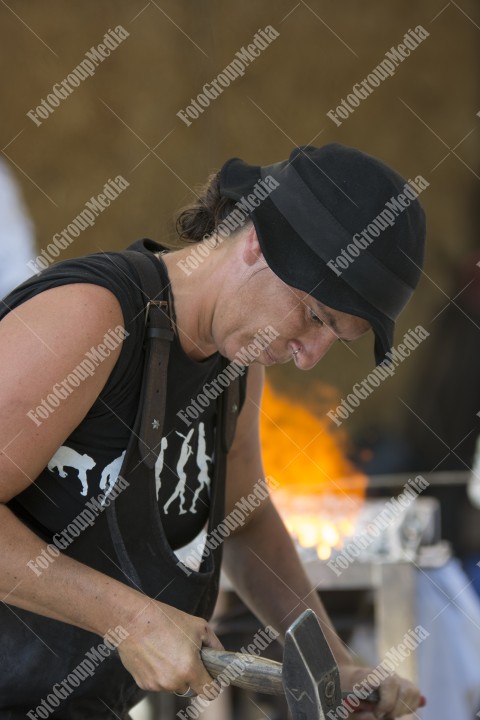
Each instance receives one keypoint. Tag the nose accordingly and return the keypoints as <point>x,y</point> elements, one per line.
<point>314,348</point>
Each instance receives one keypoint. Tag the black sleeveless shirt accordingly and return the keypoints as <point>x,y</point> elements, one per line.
<point>129,541</point>
<point>89,461</point>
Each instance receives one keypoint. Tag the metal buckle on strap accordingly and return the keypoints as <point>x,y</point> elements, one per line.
<point>162,305</point>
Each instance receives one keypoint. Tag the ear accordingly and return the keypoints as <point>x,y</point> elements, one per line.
<point>251,252</point>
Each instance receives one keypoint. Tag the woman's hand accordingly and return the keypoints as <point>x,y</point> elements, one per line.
<point>162,650</point>
<point>398,697</point>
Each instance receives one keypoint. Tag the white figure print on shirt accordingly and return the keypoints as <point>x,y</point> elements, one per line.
<point>67,459</point>
<point>110,474</point>
<point>70,458</point>
<point>159,465</point>
<point>179,491</point>
<point>202,463</point>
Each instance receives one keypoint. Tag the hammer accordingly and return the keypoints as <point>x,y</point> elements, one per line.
<point>309,676</point>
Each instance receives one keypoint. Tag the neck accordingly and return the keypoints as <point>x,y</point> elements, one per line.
<point>195,292</point>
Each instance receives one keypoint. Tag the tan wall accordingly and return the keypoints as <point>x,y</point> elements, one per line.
<point>109,123</point>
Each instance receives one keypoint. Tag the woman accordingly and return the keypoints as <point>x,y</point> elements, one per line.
<point>68,423</point>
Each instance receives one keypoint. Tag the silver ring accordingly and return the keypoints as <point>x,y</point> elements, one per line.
<point>187,694</point>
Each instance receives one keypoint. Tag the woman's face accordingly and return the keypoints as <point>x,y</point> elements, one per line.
<point>302,328</point>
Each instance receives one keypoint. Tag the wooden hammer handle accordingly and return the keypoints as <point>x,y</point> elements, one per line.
<point>256,673</point>
<point>246,671</point>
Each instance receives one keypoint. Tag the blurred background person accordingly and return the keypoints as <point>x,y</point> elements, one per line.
<point>17,240</point>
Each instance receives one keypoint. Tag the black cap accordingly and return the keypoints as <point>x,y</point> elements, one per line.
<point>323,199</point>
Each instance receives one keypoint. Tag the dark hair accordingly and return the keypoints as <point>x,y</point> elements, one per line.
<point>206,213</point>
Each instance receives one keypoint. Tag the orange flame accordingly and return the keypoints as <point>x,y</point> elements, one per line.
<point>320,491</point>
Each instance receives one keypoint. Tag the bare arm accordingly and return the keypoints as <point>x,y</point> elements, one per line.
<point>265,569</point>
<point>40,344</point>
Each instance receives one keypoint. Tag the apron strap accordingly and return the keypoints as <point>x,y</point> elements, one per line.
<point>158,336</point>
<point>228,405</point>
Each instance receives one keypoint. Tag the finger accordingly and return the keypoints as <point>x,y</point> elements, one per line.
<point>209,639</point>
<point>210,689</point>
<point>398,700</point>
<point>408,701</point>
<point>354,705</point>
<point>389,696</point>
<point>200,679</point>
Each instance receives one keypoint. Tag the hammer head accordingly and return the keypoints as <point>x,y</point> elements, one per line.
<point>310,675</point>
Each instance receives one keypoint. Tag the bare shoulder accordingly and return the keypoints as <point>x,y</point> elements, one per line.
<point>42,342</point>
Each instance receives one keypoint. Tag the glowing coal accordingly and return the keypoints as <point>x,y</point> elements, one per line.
<point>320,492</point>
